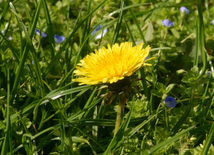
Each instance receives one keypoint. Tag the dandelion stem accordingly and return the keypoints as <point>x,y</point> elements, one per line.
<point>120,113</point>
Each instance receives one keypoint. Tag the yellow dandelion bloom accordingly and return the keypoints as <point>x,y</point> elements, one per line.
<point>111,64</point>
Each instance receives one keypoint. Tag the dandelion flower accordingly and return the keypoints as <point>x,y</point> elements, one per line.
<point>167,23</point>
<point>184,9</point>
<point>170,102</point>
<point>111,65</point>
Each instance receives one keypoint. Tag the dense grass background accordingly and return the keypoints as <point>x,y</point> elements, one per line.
<point>44,112</point>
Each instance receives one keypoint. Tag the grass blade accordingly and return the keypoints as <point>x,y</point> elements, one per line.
<point>209,141</point>
<point>168,141</point>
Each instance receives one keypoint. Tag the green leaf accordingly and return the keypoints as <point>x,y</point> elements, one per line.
<point>149,32</point>
<point>55,94</point>
<point>180,71</point>
<point>161,89</point>
<point>157,93</point>
<point>160,86</point>
<point>59,5</point>
<point>209,141</point>
<point>175,33</point>
<point>167,142</point>
<point>84,110</point>
<point>191,76</point>
<point>169,88</point>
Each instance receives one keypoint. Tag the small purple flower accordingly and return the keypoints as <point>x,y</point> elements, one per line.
<point>43,34</point>
<point>184,9</point>
<point>97,28</point>
<point>146,58</point>
<point>208,73</point>
<point>59,39</point>
<point>10,38</point>
<point>101,34</point>
<point>167,23</point>
<point>213,22</point>
<point>170,102</point>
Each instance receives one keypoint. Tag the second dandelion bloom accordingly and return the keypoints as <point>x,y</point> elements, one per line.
<point>112,64</point>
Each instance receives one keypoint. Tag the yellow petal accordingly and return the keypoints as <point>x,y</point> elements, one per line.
<point>108,65</point>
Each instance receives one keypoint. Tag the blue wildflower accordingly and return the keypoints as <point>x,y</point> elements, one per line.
<point>43,34</point>
<point>97,28</point>
<point>146,58</point>
<point>184,9</point>
<point>167,23</point>
<point>59,39</point>
<point>10,38</point>
<point>170,102</point>
<point>208,73</point>
<point>101,34</point>
<point>213,22</point>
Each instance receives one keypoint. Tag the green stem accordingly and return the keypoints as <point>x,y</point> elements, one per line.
<point>166,31</point>
<point>167,119</point>
<point>144,82</point>
<point>182,15</point>
<point>120,113</point>
<point>8,137</point>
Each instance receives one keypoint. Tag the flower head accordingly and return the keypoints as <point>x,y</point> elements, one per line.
<point>213,22</point>
<point>59,39</point>
<point>146,58</point>
<point>43,34</point>
<point>10,38</point>
<point>111,65</point>
<point>167,23</point>
<point>184,9</point>
<point>97,28</point>
<point>101,34</point>
<point>208,73</point>
<point>170,102</point>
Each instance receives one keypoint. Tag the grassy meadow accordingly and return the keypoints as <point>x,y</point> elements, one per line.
<point>165,109</point>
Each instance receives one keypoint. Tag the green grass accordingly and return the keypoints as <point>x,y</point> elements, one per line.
<point>42,111</point>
